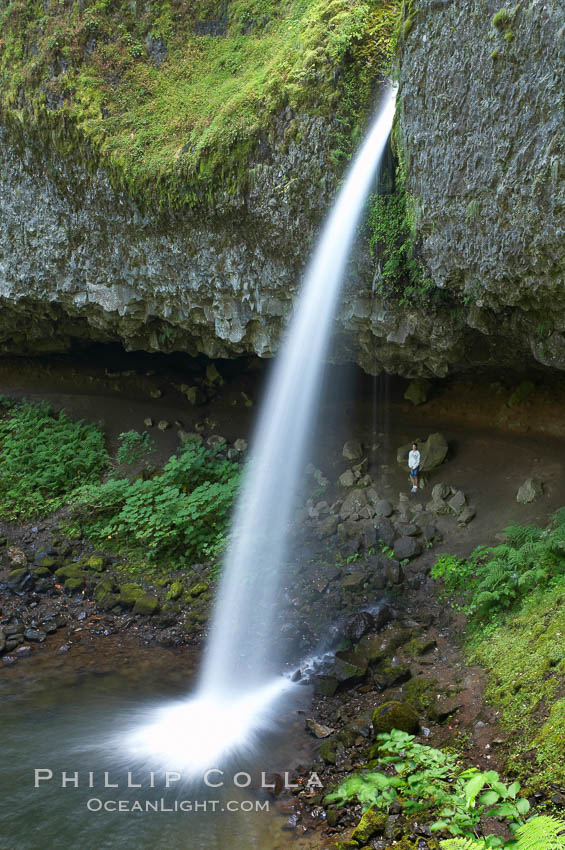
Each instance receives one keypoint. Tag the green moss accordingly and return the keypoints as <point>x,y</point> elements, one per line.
<point>372,823</point>
<point>421,693</point>
<point>69,571</point>
<point>175,590</point>
<point>96,563</point>
<point>46,561</point>
<point>198,589</point>
<point>525,658</point>
<point>130,593</point>
<point>146,604</point>
<point>75,583</point>
<point>395,715</point>
<point>501,18</point>
<point>176,125</point>
<point>105,594</point>
<point>392,238</point>
<point>407,27</point>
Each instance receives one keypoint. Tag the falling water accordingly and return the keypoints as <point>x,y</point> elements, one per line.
<point>241,675</point>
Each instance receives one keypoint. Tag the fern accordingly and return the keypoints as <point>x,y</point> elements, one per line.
<point>541,833</point>
<point>462,844</point>
<point>518,535</point>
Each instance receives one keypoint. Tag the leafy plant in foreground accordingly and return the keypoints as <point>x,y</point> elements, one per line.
<point>426,779</point>
<point>539,833</point>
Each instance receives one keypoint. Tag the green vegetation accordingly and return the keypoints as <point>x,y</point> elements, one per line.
<point>498,578</point>
<point>173,96</point>
<point>134,447</point>
<point>179,514</point>
<point>502,18</point>
<point>43,457</point>
<point>429,783</point>
<point>392,241</point>
<point>514,595</point>
<point>540,833</point>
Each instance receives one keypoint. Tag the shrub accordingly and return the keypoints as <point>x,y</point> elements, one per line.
<point>44,457</point>
<point>180,513</point>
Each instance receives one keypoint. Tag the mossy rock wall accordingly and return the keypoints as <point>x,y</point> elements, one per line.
<point>163,176</point>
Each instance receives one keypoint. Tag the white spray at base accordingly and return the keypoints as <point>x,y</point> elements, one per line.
<point>241,680</point>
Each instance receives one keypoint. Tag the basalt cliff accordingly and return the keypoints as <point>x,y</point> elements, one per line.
<point>165,171</point>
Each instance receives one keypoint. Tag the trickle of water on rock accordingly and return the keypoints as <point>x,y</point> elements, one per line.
<point>241,681</point>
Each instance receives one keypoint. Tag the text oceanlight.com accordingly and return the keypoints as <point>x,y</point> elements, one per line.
<point>95,804</point>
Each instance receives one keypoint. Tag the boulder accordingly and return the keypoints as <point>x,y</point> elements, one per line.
<point>74,584</point>
<point>175,591</point>
<point>19,578</point>
<point>318,730</point>
<point>358,625</point>
<point>370,647</point>
<point>382,616</point>
<point>96,563</point>
<point>42,559</point>
<point>383,508</point>
<point>457,502</point>
<point>417,392</point>
<point>396,715</point>
<point>433,452</point>
<point>440,491</point>
<point>353,502</point>
<point>105,595</point>
<point>467,515</point>
<point>198,589</point>
<point>328,751</point>
<point>531,489</point>
<point>146,604</point>
<point>347,478</point>
<point>348,667</point>
<point>393,572</point>
<point>352,450</point>
<point>326,685</point>
<point>16,556</point>
<point>240,445</point>
<point>385,533</point>
<point>163,425</point>
<point>216,441</point>
<point>390,675</point>
<point>354,581</point>
<point>130,593</point>
<point>407,547</point>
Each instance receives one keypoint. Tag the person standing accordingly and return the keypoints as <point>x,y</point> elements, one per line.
<point>414,464</point>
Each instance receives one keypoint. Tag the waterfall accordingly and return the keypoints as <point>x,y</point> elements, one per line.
<point>241,672</point>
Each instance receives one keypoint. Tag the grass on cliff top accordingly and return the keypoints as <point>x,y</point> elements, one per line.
<point>175,94</point>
